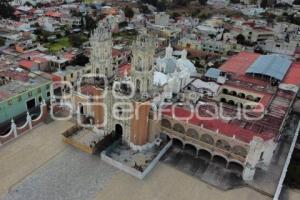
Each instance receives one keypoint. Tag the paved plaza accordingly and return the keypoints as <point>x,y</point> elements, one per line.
<point>24,155</point>
<point>39,166</point>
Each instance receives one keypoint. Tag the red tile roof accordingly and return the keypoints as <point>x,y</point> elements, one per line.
<point>69,56</point>
<point>239,63</point>
<point>89,90</point>
<point>40,60</point>
<point>223,128</point>
<point>116,53</point>
<point>53,14</point>
<point>293,75</point>
<point>28,64</point>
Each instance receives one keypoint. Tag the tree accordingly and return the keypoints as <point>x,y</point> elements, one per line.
<point>123,24</point>
<point>6,10</point>
<point>175,15</point>
<point>91,24</point>
<point>144,9</point>
<point>27,3</point>
<point>203,2</point>
<point>77,40</point>
<point>264,3</point>
<point>39,5</point>
<point>240,39</point>
<point>161,6</point>
<point>235,1</point>
<point>181,2</point>
<point>80,60</point>
<point>128,12</point>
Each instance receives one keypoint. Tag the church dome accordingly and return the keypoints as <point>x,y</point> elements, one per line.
<point>186,65</point>
<point>170,65</point>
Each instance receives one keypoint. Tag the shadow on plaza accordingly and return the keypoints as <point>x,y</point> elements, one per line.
<point>201,167</point>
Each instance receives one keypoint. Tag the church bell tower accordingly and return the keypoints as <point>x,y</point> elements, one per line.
<point>101,53</point>
<point>142,70</point>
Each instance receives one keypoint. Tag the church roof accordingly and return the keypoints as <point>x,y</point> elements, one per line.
<point>160,78</point>
<point>187,65</point>
<point>170,65</point>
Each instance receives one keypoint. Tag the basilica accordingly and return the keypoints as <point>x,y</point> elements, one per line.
<point>166,98</point>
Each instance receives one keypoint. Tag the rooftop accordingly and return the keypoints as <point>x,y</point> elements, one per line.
<point>217,124</point>
<point>21,81</point>
<point>239,63</point>
<point>275,66</point>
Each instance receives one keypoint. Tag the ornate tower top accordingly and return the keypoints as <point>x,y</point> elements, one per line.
<point>144,42</point>
<point>101,33</point>
<point>142,69</point>
<point>169,51</point>
<point>101,53</point>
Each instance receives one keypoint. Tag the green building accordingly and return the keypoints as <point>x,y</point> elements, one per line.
<point>19,95</point>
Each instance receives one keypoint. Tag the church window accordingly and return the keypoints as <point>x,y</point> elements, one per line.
<point>120,112</point>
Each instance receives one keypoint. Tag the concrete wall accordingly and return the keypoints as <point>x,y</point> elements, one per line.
<point>132,171</point>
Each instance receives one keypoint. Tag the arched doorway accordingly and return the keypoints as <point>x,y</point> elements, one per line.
<point>231,102</point>
<point>219,160</point>
<point>236,167</point>
<point>118,131</point>
<point>166,123</point>
<point>223,100</point>
<point>225,91</point>
<point>190,149</point>
<point>204,154</point>
<point>177,143</point>
<point>81,110</point>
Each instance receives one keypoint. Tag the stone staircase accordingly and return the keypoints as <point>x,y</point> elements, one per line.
<point>278,107</point>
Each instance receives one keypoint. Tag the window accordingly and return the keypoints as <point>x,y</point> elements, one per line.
<point>47,87</point>
<point>48,94</point>
<point>39,90</point>
<point>71,75</point>
<point>29,94</point>
<point>40,99</point>
<point>19,98</point>
<point>119,111</point>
